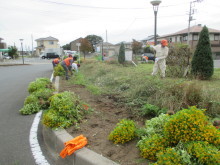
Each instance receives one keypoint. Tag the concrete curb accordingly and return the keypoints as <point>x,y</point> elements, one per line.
<point>55,139</point>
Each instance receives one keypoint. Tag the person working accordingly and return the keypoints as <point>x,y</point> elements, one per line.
<point>160,60</point>
<point>75,65</point>
<point>67,65</point>
<point>55,62</point>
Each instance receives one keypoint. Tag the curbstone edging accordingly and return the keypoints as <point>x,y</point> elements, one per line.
<point>55,139</point>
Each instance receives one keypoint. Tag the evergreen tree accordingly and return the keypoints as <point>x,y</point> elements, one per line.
<point>202,62</point>
<point>121,57</point>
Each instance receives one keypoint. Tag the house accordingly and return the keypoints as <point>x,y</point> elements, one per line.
<point>47,44</point>
<point>108,48</point>
<point>182,37</point>
<point>128,46</point>
<point>149,40</point>
<point>74,45</point>
<point>2,44</point>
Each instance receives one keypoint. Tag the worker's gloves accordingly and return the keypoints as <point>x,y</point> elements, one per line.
<point>156,59</point>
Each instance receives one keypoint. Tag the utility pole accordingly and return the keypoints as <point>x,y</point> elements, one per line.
<point>32,51</point>
<point>106,43</point>
<point>191,12</point>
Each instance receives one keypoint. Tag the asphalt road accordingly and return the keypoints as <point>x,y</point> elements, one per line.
<point>14,127</point>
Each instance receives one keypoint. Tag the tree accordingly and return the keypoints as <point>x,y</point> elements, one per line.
<point>94,40</point>
<point>85,46</point>
<point>202,62</point>
<point>121,57</point>
<point>13,52</point>
<point>136,47</point>
<point>66,47</point>
<point>148,49</point>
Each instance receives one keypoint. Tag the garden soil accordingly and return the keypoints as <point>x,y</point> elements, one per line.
<point>98,125</point>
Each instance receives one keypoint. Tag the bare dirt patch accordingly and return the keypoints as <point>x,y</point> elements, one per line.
<point>98,125</point>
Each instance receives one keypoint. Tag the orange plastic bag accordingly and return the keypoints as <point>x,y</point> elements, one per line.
<point>73,145</point>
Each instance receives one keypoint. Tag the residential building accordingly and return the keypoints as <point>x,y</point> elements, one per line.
<point>128,46</point>
<point>182,37</point>
<point>108,48</point>
<point>74,45</point>
<point>149,40</point>
<point>48,43</point>
<point>2,44</point>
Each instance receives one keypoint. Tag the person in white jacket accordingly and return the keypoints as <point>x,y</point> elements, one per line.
<point>160,60</point>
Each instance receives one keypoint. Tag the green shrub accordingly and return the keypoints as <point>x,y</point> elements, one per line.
<point>30,99</point>
<point>151,110</point>
<point>150,146</point>
<point>123,132</point>
<point>39,84</point>
<point>170,157</point>
<point>44,93</point>
<point>30,109</point>
<point>52,119</point>
<point>121,57</point>
<point>69,109</point>
<point>191,125</point>
<point>156,125</point>
<point>204,152</point>
<point>58,71</point>
<point>202,62</point>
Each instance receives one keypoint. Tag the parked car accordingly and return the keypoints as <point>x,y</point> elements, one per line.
<point>49,55</point>
<point>6,57</point>
<point>149,55</point>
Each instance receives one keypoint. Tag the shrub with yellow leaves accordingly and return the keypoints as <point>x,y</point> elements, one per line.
<point>123,132</point>
<point>204,152</point>
<point>191,125</point>
<point>149,146</point>
<point>169,157</point>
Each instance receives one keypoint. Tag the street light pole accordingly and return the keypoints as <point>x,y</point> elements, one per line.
<point>155,8</point>
<point>22,50</point>
<point>78,44</point>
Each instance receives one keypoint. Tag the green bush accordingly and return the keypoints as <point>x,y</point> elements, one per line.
<point>151,110</point>
<point>149,146</point>
<point>39,84</point>
<point>191,125</point>
<point>121,57</point>
<point>52,119</point>
<point>156,125</point>
<point>30,99</point>
<point>30,109</point>
<point>123,132</point>
<point>204,152</point>
<point>171,156</point>
<point>58,71</point>
<point>202,62</point>
<point>69,110</point>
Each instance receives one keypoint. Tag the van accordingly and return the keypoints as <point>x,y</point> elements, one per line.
<point>49,55</point>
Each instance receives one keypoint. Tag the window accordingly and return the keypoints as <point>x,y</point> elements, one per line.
<point>195,37</point>
<point>170,40</point>
<point>51,42</point>
<point>185,38</point>
<point>216,37</point>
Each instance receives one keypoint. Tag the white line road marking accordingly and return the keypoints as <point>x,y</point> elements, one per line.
<point>35,147</point>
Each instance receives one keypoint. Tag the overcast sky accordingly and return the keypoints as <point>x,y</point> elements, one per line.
<point>121,20</point>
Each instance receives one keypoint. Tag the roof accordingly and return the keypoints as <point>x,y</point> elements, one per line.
<point>149,38</point>
<point>193,29</point>
<point>125,43</point>
<point>47,39</point>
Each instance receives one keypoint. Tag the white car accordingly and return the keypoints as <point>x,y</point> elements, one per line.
<point>6,57</point>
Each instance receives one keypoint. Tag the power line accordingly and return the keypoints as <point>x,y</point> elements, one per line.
<point>98,7</point>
